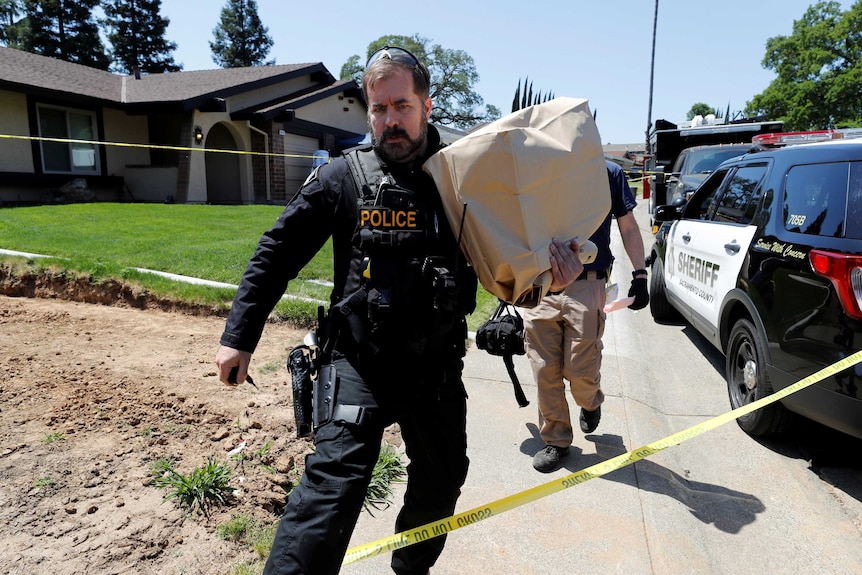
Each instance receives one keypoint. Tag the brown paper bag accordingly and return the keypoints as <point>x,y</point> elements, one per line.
<point>527,178</point>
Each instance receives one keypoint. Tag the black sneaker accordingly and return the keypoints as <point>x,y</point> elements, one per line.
<point>549,458</point>
<point>590,419</point>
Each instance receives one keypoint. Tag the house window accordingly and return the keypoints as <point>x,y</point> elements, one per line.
<point>68,157</point>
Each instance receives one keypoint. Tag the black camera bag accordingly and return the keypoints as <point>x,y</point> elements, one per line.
<point>503,335</point>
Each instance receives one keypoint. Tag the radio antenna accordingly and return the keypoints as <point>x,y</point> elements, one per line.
<point>458,245</point>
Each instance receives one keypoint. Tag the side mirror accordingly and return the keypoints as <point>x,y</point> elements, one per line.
<point>666,213</point>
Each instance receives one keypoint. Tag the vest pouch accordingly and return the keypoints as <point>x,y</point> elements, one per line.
<point>379,306</point>
<point>375,240</point>
<point>398,303</point>
<point>394,197</point>
<point>444,286</point>
<point>393,221</point>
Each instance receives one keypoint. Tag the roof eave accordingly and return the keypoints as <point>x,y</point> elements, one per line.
<point>284,108</point>
<point>318,73</point>
<point>66,96</point>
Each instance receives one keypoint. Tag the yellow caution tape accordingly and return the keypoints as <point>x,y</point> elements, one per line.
<point>472,516</point>
<point>151,146</point>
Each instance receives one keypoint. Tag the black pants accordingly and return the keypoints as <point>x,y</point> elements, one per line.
<point>429,403</point>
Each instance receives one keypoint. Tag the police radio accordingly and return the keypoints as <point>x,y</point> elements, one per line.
<point>443,283</point>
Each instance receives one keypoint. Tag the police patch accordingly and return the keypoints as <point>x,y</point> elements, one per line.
<point>388,219</point>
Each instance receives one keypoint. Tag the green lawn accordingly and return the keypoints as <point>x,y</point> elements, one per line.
<point>109,240</point>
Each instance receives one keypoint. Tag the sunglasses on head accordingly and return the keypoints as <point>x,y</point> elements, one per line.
<point>401,56</point>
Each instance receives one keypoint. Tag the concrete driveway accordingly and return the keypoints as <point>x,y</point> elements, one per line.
<point>721,503</point>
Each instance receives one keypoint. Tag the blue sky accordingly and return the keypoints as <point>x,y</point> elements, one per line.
<point>600,50</point>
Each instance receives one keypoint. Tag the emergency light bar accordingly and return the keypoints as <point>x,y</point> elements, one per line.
<point>785,138</point>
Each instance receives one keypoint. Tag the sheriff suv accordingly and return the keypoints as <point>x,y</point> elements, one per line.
<point>765,260</point>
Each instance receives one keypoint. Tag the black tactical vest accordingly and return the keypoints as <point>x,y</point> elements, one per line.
<point>408,281</point>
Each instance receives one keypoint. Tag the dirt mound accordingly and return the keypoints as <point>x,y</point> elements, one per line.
<point>61,285</point>
<point>94,395</point>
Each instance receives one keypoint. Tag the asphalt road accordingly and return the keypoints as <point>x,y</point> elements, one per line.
<point>720,503</point>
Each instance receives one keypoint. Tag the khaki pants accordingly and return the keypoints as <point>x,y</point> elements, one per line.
<point>564,341</point>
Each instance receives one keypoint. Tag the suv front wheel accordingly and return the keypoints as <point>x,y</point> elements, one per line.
<point>659,306</point>
<point>747,381</point>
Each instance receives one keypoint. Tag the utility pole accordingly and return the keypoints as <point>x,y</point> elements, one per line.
<point>651,75</point>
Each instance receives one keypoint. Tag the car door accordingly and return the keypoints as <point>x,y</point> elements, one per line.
<point>708,246</point>
<point>675,283</point>
<point>713,250</point>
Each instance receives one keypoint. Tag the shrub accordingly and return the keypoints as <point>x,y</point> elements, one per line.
<point>388,470</point>
<point>204,486</point>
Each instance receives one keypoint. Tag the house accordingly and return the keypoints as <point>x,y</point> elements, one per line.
<point>224,136</point>
<point>627,156</point>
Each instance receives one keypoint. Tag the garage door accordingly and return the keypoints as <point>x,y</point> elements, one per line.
<point>297,162</point>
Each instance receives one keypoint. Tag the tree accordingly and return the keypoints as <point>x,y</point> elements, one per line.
<point>819,71</point>
<point>10,26</point>
<point>241,39</point>
<point>701,109</point>
<point>64,29</point>
<point>352,70</point>
<point>453,75</point>
<point>137,35</point>
<point>521,101</point>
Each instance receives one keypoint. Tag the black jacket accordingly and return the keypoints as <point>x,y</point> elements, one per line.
<point>325,205</point>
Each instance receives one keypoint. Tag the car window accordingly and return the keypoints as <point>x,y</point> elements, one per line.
<point>698,206</point>
<point>738,199</point>
<point>677,166</point>
<point>854,202</point>
<point>816,199</point>
<point>705,160</point>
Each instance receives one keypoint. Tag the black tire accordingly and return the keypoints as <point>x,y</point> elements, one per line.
<point>748,381</point>
<point>659,306</point>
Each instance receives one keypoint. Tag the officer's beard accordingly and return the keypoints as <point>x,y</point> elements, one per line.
<point>402,151</point>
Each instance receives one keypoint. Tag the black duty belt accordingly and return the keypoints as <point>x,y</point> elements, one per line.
<point>592,275</point>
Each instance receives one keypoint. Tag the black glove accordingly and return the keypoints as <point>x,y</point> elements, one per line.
<point>640,293</point>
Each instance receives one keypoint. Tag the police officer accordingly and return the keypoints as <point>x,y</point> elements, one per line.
<point>396,328</point>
